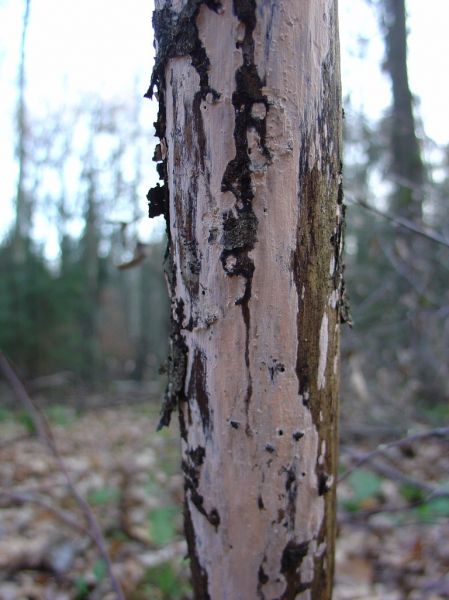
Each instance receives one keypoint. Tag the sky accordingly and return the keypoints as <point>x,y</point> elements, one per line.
<point>105,47</point>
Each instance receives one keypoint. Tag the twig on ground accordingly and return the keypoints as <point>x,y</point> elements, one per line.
<point>440,432</point>
<point>18,438</point>
<point>46,436</point>
<point>28,498</point>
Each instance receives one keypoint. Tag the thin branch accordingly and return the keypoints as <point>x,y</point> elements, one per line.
<point>418,285</point>
<point>390,472</point>
<point>18,438</point>
<point>47,438</point>
<point>440,432</point>
<point>401,222</point>
<point>365,514</point>
<point>398,476</point>
<point>27,498</point>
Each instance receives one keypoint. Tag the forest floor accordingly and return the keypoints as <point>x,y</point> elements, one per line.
<point>392,544</point>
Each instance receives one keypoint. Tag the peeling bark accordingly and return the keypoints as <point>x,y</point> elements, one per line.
<point>250,136</point>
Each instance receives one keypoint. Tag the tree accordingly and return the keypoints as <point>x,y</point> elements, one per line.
<point>22,224</point>
<point>415,262</point>
<point>407,168</point>
<point>250,125</point>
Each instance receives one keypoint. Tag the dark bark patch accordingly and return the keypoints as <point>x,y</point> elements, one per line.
<point>297,435</point>
<point>177,35</point>
<point>281,515</point>
<point>191,472</point>
<point>200,581</point>
<point>213,234</point>
<point>275,368</point>
<point>234,424</point>
<point>269,448</point>
<point>157,201</point>
<point>291,487</point>
<point>262,579</point>
<point>260,504</point>
<point>176,367</point>
<point>240,225</point>
<point>197,455</point>
<point>323,483</point>
<point>239,232</point>
<point>292,557</point>
<point>214,518</point>
<point>245,10</point>
<point>197,388</point>
<point>262,576</point>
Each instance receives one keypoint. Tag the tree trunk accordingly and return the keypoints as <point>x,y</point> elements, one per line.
<point>417,266</point>
<point>407,168</point>
<point>22,224</point>
<point>250,132</point>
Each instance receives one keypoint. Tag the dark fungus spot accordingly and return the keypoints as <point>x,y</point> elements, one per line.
<point>269,448</point>
<point>262,576</point>
<point>197,455</point>
<point>293,556</point>
<point>280,432</point>
<point>235,424</point>
<point>214,518</point>
<point>291,478</point>
<point>297,435</point>
<point>260,503</point>
<point>213,234</point>
<point>323,481</point>
<point>275,368</point>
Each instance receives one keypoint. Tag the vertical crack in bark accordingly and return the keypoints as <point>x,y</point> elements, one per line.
<point>197,389</point>
<point>291,487</point>
<point>262,579</point>
<point>240,224</point>
<point>200,580</point>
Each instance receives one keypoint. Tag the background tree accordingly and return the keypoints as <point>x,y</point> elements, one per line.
<point>249,123</point>
<point>396,278</point>
<point>22,224</point>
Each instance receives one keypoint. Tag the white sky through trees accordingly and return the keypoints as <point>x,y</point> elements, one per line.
<point>104,48</point>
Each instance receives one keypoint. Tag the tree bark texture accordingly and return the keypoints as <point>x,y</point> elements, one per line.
<point>250,135</point>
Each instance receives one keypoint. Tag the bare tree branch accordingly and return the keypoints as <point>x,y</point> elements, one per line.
<point>440,432</point>
<point>401,222</point>
<point>29,498</point>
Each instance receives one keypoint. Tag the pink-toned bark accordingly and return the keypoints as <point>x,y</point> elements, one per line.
<point>250,135</point>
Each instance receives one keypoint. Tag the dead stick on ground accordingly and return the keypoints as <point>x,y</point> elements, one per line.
<point>440,432</point>
<point>47,438</point>
<point>30,498</point>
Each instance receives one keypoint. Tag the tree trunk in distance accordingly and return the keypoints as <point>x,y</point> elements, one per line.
<point>418,264</point>
<point>406,162</point>
<point>250,130</point>
<point>22,224</point>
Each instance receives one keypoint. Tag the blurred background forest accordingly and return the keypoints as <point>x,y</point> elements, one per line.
<point>83,305</point>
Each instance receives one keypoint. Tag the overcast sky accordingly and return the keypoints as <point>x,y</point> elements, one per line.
<point>105,47</point>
